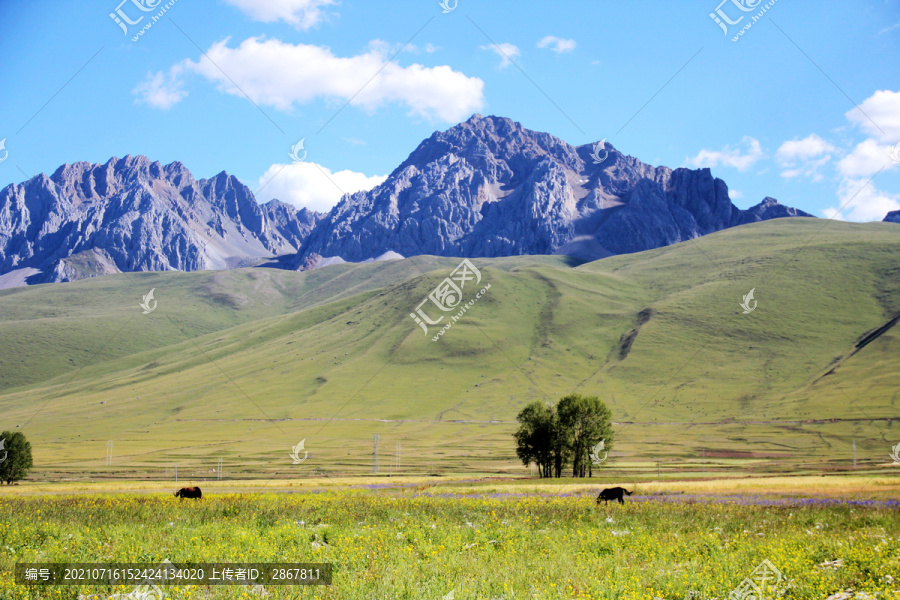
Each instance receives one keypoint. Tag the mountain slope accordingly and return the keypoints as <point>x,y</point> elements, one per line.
<point>660,335</point>
<point>50,331</point>
<point>490,187</point>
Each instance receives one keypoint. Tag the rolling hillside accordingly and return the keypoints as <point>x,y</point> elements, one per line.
<point>244,364</point>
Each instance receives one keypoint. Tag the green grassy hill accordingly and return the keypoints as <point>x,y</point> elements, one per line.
<point>244,364</point>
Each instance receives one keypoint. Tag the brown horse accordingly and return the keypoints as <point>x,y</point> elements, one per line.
<point>615,493</point>
<point>189,492</point>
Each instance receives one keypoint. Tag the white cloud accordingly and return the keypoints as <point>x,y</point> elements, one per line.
<point>302,14</point>
<point>313,186</point>
<point>804,157</point>
<point>735,194</point>
<point>864,202</point>
<point>891,28</point>
<point>880,116</point>
<point>808,169</point>
<point>809,147</point>
<point>429,48</point>
<point>730,157</point>
<point>506,52</point>
<point>866,159</point>
<point>160,90</point>
<point>558,45</point>
<point>278,74</point>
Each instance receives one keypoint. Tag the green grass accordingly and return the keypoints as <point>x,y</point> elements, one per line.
<point>244,364</point>
<point>426,541</point>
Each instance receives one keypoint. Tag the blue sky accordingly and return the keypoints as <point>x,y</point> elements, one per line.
<point>804,106</point>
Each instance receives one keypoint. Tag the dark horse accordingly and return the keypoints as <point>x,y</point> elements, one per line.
<point>615,493</point>
<point>189,492</point>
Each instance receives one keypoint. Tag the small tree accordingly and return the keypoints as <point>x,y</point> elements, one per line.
<point>552,436</point>
<point>17,461</point>
<point>537,437</point>
<point>584,421</point>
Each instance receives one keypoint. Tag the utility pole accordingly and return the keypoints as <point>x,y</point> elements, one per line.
<point>657,469</point>
<point>398,457</point>
<point>375,454</point>
<point>109,450</point>
<point>854,454</point>
<point>220,468</point>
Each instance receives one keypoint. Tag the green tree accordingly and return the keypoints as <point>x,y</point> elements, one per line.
<point>537,439</point>
<point>584,421</point>
<point>17,461</point>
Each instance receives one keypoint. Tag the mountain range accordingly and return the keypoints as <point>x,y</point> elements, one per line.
<point>487,187</point>
<point>131,214</point>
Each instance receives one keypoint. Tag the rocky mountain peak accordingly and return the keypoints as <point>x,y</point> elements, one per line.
<point>484,139</point>
<point>132,214</point>
<point>491,187</point>
<point>89,182</point>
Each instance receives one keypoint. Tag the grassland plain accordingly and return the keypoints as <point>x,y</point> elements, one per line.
<point>242,365</point>
<point>421,538</point>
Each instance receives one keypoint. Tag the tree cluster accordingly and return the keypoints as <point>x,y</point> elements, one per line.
<point>554,437</point>
<point>15,456</point>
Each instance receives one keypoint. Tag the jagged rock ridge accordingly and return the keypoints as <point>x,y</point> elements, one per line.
<point>485,187</point>
<point>132,214</point>
<point>490,187</point>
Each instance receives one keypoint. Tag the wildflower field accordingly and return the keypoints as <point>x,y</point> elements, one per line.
<point>435,542</point>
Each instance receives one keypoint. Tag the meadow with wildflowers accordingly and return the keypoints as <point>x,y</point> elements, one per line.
<point>468,542</point>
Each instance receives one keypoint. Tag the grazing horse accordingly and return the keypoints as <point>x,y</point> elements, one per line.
<point>189,492</point>
<point>615,493</point>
